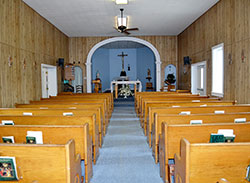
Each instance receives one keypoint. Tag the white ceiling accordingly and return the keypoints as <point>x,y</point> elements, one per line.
<point>97,17</point>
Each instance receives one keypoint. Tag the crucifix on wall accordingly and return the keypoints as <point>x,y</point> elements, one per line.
<point>123,73</point>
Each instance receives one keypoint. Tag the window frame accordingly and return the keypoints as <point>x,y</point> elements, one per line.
<point>221,45</point>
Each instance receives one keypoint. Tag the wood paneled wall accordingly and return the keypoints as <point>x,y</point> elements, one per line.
<point>227,22</point>
<point>28,40</point>
<point>166,45</point>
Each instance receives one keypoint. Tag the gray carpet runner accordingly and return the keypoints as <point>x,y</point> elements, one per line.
<point>125,156</point>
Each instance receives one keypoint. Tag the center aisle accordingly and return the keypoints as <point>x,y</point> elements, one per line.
<point>125,156</point>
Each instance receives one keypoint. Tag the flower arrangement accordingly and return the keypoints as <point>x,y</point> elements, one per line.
<point>125,91</point>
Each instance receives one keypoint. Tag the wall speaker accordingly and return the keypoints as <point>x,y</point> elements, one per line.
<point>187,60</point>
<point>61,62</point>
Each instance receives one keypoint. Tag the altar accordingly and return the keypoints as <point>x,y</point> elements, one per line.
<point>135,83</point>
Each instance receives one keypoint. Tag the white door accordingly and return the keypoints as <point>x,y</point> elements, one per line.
<point>45,79</point>
<point>49,80</point>
<point>198,78</point>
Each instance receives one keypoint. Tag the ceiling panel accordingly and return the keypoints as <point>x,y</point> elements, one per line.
<point>97,17</point>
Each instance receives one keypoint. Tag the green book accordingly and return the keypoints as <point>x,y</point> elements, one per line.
<point>8,170</point>
<point>30,140</point>
<point>215,138</point>
<point>8,139</point>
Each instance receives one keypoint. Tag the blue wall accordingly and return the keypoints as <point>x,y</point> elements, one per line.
<point>109,65</point>
<point>145,60</point>
<point>100,62</point>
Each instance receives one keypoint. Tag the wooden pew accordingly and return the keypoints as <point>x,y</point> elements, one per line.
<point>192,110</point>
<point>58,112</point>
<point>78,102</point>
<point>44,162</point>
<point>144,113</point>
<point>107,96</point>
<point>176,104</point>
<point>172,134</point>
<point>81,98</point>
<point>206,162</point>
<point>171,98</point>
<point>139,108</point>
<point>180,119</point>
<point>139,95</point>
<point>61,120</point>
<point>69,106</point>
<point>57,134</point>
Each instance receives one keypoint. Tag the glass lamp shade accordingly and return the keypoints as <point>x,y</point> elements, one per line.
<point>122,21</point>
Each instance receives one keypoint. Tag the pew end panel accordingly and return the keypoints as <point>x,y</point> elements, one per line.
<point>206,162</point>
<point>45,162</point>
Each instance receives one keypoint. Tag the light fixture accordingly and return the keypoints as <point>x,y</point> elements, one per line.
<point>122,20</point>
<point>121,1</point>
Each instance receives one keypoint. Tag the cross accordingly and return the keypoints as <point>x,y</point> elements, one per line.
<point>122,55</point>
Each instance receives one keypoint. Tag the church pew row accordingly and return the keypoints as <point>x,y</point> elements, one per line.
<point>177,104</point>
<point>76,99</point>
<point>171,98</point>
<point>191,110</point>
<point>206,162</point>
<point>140,94</point>
<point>172,134</point>
<point>147,102</point>
<point>180,119</point>
<point>69,106</point>
<point>57,134</point>
<point>77,102</point>
<point>107,96</point>
<point>61,120</point>
<point>45,162</point>
<point>57,112</point>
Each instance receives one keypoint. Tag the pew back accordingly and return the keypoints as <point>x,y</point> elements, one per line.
<point>206,162</point>
<point>57,134</point>
<point>45,163</point>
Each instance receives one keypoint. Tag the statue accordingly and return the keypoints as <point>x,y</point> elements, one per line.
<point>97,75</point>
<point>149,75</point>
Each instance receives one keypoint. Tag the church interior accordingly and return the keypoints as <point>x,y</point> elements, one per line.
<point>107,91</point>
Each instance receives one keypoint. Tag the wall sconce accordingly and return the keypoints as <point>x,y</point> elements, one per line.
<point>10,61</point>
<point>24,64</point>
<point>243,57</point>
<point>128,67</point>
<point>230,61</point>
<point>34,64</point>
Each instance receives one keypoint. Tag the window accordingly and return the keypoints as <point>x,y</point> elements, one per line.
<point>218,70</point>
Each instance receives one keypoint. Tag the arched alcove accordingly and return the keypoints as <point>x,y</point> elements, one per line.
<point>141,41</point>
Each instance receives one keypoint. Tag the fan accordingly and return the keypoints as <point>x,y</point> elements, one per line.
<point>122,27</point>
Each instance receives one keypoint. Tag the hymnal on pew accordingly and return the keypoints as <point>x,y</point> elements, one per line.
<point>8,170</point>
<point>8,139</point>
<point>223,135</point>
<point>34,137</point>
<point>7,122</point>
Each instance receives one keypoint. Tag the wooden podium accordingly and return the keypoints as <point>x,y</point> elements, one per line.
<point>98,86</point>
